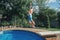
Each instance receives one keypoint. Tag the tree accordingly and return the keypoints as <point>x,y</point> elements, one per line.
<point>43,9</point>
<point>15,8</point>
<point>17,11</point>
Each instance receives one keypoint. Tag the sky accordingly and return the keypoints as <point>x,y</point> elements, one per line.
<point>53,4</point>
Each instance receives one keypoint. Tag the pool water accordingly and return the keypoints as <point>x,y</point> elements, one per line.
<point>19,35</point>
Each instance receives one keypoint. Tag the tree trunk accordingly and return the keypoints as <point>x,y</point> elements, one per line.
<point>48,20</point>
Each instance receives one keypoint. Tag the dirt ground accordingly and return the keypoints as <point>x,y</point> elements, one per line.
<point>28,29</point>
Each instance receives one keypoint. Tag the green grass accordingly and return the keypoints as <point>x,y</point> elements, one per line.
<point>53,29</point>
<point>50,29</point>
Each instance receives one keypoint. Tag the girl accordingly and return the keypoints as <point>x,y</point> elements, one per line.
<point>30,20</point>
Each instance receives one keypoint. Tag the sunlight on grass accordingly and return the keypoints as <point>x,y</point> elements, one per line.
<point>50,29</point>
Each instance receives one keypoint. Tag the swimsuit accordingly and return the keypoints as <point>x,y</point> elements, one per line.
<point>29,17</point>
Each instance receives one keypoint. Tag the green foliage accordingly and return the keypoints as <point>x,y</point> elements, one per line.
<point>18,13</point>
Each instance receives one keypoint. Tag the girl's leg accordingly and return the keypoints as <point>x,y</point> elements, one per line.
<point>33,24</point>
<point>30,23</point>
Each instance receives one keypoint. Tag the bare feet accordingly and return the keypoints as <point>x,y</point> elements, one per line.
<point>33,27</point>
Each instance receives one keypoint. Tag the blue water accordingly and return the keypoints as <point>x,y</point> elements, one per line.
<point>20,35</point>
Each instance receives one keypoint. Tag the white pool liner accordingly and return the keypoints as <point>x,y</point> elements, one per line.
<point>49,32</point>
<point>1,32</point>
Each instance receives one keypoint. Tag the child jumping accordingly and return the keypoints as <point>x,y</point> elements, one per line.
<point>30,20</point>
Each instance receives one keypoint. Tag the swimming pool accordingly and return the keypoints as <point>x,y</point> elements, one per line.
<point>19,35</point>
